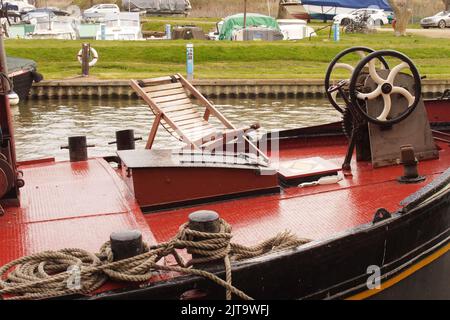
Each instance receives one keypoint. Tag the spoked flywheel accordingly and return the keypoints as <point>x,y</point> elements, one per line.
<point>339,63</point>
<point>386,87</point>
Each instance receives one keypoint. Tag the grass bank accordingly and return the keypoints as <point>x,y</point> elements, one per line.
<point>227,60</point>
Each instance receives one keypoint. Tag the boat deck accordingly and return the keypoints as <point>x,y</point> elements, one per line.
<point>79,204</point>
<point>67,205</point>
<point>312,212</point>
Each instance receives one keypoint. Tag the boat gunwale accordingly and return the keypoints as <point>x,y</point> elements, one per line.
<point>368,230</point>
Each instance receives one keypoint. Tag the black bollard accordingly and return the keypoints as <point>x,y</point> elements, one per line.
<point>126,244</point>
<point>204,221</point>
<point>125,139</point>
<point>409,161</point>
<point>77,148</point>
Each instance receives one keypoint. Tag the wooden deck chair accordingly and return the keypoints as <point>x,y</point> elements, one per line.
<point>168,98</point>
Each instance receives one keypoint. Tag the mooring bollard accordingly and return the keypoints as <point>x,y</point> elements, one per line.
<point>85,47</point>
<point>125,140</point>
<point>190,61</point>
<point>126,244</point>
<point>409,161</point>
<point>203,221</point>
<point>77,148</point>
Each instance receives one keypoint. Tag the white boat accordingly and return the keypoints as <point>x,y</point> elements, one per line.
<point>327,9</point>
<point>257,34</point>
<point>120,26</point>
<point>23,6</point>
<point>58,27</point>
<point>295,29</point>
<point>158,7</point>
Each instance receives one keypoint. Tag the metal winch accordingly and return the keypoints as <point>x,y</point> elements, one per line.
<point>382,107</point>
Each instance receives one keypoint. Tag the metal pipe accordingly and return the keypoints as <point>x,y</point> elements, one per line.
<point>6,119</point>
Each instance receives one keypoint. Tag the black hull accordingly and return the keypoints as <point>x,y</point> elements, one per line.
<point>22,85</point>
<point>428,283</point>
<point>412,249</point>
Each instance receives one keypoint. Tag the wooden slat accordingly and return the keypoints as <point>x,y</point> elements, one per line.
<point>168,86</point>
<point>196,126</point>
<point>168,105</point>
<point>164,93</point>
<point>190,123</point>
<point>135,85</point>
<point>157,80</point>
<point>175,115</point>
<point>180,111</point>
<point>203,101</point>
<point>174,97</point>
<point>185,117</point>
<point>213,110</point>
<point>206,134</point>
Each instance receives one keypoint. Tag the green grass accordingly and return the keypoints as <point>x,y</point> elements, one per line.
<point>223,59</point>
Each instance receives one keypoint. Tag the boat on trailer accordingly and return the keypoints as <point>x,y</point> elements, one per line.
<point>327,9</point>
<point>371,223</point>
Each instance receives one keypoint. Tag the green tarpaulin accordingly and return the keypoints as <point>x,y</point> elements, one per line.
<point>237,22</point>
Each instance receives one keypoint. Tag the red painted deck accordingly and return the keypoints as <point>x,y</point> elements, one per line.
<point>313,212</point>
<point>79,204</point>
<point>67,204</point>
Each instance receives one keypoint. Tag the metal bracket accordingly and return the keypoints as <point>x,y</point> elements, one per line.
<point>381,215</point>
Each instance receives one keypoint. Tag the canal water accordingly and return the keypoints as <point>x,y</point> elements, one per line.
<point>42,127</point>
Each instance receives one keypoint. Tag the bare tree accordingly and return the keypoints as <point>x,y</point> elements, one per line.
<point>446,4</point>
<point>403,12</point>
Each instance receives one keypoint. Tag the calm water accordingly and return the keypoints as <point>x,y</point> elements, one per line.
<point>41,127</point>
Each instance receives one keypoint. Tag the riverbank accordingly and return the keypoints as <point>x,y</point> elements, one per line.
<point>225,60</point>
<point>212,88</point>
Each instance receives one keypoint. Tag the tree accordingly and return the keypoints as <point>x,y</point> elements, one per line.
<point>403,12</point>
<point>446,4</point>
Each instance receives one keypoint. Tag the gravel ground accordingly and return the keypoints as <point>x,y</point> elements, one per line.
<point>431,33</point>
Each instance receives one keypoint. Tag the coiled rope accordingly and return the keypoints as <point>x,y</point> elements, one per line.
<point>51,273</point>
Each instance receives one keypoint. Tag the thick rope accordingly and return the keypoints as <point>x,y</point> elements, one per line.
<point>76,271</point>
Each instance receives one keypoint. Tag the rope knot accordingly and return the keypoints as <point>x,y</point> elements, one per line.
<point>205,246</point>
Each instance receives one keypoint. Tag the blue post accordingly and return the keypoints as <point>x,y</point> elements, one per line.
<point>103,32</point>
<point>190,61</point>
<point>168,32</point>
<point>336,31</point>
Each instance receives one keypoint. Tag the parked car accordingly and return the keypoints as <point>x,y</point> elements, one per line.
<point>439,20</point>
<point>103,9</point>
<point>376,16</point>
